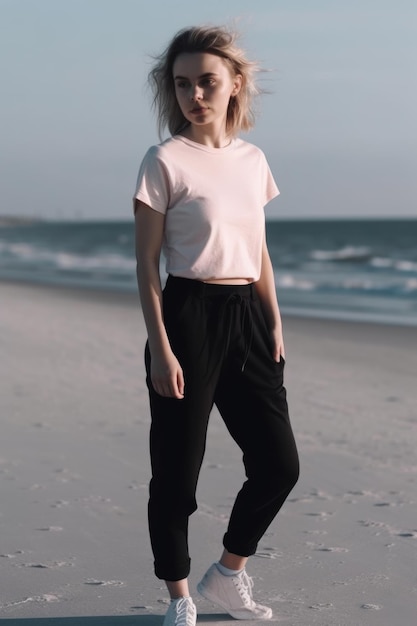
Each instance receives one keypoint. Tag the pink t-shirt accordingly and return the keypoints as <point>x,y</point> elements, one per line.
<point>213,199</point>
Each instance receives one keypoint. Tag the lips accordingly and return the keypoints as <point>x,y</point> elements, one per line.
<point>199,110</point>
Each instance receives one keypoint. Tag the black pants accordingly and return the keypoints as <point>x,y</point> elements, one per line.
<point>220,338</point>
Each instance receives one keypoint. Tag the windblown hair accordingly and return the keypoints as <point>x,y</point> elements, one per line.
<point>214,40</point>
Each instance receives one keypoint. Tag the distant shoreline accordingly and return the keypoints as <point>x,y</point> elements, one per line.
<point>12,220</point>
<point>9,220</point>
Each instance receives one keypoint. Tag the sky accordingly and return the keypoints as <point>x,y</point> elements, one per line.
<point>338,124</point>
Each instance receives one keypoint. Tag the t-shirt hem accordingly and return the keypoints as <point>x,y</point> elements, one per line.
<point>146,200</point>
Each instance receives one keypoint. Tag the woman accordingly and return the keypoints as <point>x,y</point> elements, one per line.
<point>214,331</point>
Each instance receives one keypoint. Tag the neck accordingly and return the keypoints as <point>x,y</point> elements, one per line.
<point>208,136</point>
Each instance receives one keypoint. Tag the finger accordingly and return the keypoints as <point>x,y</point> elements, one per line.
<point>176,393</point>
<point>173,390</point>
<point>180,383</point>
<point>169,388</point>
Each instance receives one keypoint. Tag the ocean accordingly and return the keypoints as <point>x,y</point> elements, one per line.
<point>341,269</point>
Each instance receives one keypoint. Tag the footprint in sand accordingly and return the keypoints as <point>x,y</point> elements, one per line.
<point>323,515</point>
<point>135,486</point>
<point>319,547</point>
<point>300,499</point>
<point>59,504</point>
<point>51,565</point>
<point>321,495</point>
<point>11,556</point>
<point>65,475</point>
<point>104,583</point>
<point>411,534</point>
<point>46,597</point>
<point>268,553</point>
<point>314,494</point>
<point>207,511</point>
<point>320,607</point>
<point>373,524</point>
<point>331,549</point>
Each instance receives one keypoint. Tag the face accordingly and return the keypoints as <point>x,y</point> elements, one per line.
<point>203,87</point>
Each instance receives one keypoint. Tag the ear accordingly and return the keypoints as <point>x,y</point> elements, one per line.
<point>237,84</point>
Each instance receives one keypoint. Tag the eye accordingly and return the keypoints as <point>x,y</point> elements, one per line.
<point>208,82</point>
<point>181,84</point>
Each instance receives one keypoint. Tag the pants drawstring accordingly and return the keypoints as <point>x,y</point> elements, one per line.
<point>245,320</point>
<point>221,325</point>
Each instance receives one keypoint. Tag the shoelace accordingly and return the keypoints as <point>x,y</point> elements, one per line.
<point>244,584</point>
<point>185,610</point>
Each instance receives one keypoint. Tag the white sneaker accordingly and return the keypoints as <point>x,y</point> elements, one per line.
<point>181,612</point>
<point>233,594</point>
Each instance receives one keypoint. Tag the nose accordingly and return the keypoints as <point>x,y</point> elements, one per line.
<point>196,93</point>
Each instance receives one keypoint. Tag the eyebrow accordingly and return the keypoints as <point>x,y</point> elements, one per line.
<point>206,75</point>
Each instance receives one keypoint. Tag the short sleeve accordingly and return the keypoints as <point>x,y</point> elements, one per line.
<point>152,185</point>
<point>270,187</point>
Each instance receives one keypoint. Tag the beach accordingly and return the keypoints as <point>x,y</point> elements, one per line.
<point>74,471</point>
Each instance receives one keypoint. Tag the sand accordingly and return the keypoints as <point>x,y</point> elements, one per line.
<point>74,470</point>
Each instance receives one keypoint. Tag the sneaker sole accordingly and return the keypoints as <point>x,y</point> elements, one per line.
<point>235,614</point>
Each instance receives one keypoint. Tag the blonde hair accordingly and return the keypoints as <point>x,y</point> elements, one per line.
<point>214,40</point>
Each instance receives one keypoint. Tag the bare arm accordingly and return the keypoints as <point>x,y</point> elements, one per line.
<point>166,373</point>
<point>267,295</point>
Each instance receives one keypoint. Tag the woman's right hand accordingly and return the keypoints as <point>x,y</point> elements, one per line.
<point>167,376</point>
